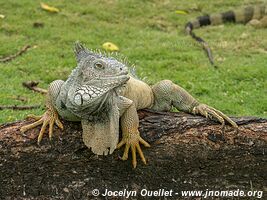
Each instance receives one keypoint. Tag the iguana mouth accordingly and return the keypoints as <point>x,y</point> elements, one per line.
<point>121,75</point>
<point>118,79</point>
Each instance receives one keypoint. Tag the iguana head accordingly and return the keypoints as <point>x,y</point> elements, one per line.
<point>95,76</point>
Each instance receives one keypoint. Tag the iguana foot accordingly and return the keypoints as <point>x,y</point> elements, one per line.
<point>211,113</point>
<point>49,118</point>
<point>132,141</point>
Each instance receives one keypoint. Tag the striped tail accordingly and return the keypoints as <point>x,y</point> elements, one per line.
<point>239,16</point>
<point>189,30</point>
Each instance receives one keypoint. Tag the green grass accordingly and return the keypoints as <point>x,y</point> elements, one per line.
<point>150,34</point>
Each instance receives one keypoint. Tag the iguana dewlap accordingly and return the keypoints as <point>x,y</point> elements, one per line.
<point>104,97</point>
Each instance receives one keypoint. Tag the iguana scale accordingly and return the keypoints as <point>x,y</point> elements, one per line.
<point>102,94</point>
<point>254,15</point>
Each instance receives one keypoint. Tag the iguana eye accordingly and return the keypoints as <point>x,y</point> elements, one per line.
<point>99,65</point>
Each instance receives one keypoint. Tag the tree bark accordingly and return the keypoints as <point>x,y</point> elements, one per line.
<point>187,153</point>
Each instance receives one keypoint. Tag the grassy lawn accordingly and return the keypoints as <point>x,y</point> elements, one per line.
<point>150,34</point>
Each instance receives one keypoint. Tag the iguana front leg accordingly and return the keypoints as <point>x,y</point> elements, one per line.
<point>130,135</point>
<point>168,94</point>
<point>50,117</point>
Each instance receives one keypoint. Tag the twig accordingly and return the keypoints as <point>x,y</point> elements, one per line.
<point>32,85</point>
<point>20,98</point>
<point>16,107</point>
<point>11,57</point>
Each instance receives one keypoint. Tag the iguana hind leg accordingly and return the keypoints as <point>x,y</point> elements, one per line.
<point>258,23</point>
<point>168,94</point>
<point>130,135</point>
<point>50,117</point>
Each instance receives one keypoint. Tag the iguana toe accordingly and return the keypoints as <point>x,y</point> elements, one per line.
<point>213,113</point>
<point>133,142</point>
<point>49,118</point>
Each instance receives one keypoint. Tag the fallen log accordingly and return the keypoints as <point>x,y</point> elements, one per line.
<point>188,153</point>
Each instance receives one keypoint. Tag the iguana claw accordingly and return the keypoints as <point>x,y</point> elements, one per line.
<point>210,112</point>
<point>49,118</point>
<point>132,141</point>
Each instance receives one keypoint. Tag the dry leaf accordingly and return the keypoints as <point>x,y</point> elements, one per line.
<point>49,8</point>
<point>108,46</point>
<point>181,12</point>
<point>38,24</point>
<point>2,16</point>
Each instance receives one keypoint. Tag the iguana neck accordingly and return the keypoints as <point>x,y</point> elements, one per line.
<point>93,111</point>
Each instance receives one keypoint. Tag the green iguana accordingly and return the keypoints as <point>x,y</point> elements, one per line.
<point>101,94</point>
<point>254,15</point>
